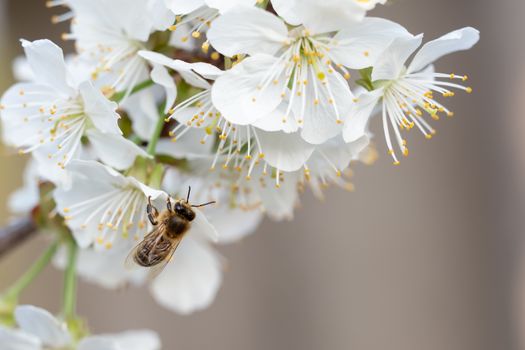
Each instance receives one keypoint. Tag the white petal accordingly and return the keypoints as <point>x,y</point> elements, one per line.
<point>234,224</point>
<point>321,119</point>
<point>20,102</point>
<point>143,111</point>
<point>237,96</point>
<point>26,198</point>
<point>392,61</point>
<point>161,16</point>
<point>247,30</point>
<point>179,38</point>
<point>286,9</point>
<point>42,324</point>
<point>459,40</point>
<point>105,268</point>
<point>227,5</point>
<point>161,76</point>
<point>99,109</point>
<point>355,126</point>
<point>191,281</point>
<point>314,13</point>
<point>188,147</point>
<point>183,7</point>
<point>88,180</point>
<point>22,70</point>
<point>359,45</point>
<point>202,228</point>
<point>47,63</point>
<point>114,150</point>
<point>339,153</point>
<point>183,68</point>
<point>279,203</point>
<point>134,340</point>
<point>286,152</point>
<point>14,339</point>
<point>274,120</point>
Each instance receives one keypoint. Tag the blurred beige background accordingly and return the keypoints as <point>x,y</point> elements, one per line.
<point>421,256</point>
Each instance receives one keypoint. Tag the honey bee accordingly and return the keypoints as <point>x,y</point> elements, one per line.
<point>156,250</point>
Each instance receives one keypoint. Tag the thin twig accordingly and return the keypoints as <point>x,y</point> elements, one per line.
<point>15,233</point>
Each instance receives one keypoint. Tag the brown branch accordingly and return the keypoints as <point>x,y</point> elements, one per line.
<point>15,233</point>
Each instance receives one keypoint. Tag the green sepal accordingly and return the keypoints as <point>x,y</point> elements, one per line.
<point>366,79</point>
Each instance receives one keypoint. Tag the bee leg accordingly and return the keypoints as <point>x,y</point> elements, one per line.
<point>152,212</point>
<point>168,204</point>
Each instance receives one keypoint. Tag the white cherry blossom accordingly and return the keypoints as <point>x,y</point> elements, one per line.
<point>304,69</point>
<point>405,92</point>
<point>199,14</point>
<point>40,330</point>
<point>111,33</point>
<point>102,206</point>
<point>51,114</point>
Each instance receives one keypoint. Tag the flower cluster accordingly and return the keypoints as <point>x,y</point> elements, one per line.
<point>248,102</point>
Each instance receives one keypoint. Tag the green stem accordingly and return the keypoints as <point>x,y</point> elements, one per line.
<point>70,282</point>
<point>28,277</point>
<point>152,146</point>
<point>139,87</point>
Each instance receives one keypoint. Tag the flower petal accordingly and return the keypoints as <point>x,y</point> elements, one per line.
<point>286,152</point>
<point>105,268</point>
<point>99,109</point>
<point>90,181</point>
<point>234,224</point>
<point>322,120</point>
<point>161,16</point>
<point>42,324</point>
<point>183,7</point>
<point>47,63</point>
<point>314,13</point>
<point>191,281</point>
<point>183,68</point>
<point>273,121</point>
<point>286,9</point>
<point>114,150</point>
<point>202,228</point>
<point>20,113</point>
<point>355,126</point>
<point>188,147</point>
<point>458,40</point>
<point>227,5</point>
<point>23,200</point>
<point>14,339</point>
<point>359,45</point>
<point>134,340</point>
<point>237,94</point>
<point>161,76</point>
<point>143,111</point>
<point>247,30</point>
<point>392,61</point>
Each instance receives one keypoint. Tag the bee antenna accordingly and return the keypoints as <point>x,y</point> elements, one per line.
<point>203,205</point>
<point>188,196</point>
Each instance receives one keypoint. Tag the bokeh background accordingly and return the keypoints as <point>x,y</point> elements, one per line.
<point>422,256</point>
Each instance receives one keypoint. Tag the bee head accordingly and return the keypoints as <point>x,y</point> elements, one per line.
<point>184,209</point>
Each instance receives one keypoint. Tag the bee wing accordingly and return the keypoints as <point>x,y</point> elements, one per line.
<point>149,242</point>
<point>154,271</point>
